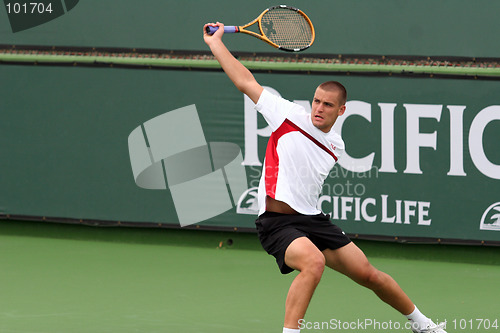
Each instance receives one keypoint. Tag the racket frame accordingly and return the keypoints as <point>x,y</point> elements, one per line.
<point>262,36</point>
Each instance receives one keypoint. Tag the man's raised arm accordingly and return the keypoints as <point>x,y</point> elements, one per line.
<point>239,74</point>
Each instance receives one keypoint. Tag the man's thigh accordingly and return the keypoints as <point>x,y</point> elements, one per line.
<point>348,260</point>
<point>301,253</point>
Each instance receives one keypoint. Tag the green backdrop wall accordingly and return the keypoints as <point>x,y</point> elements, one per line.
<point>425,151</point>
<point>390,27</point>
<point>64,147</point>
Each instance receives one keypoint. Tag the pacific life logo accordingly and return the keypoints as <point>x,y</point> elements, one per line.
<point>491,218</point>
<point>248,202</point>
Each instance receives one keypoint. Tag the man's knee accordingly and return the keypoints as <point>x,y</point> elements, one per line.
<point>305,257</point>
<point>315,265</point>
<point>371,278</point>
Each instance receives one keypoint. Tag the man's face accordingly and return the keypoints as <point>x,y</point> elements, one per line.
<point>326,109</point>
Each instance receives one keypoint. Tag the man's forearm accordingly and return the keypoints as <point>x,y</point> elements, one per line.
<point>238,73</point>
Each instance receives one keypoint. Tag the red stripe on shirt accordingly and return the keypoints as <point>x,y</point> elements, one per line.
<point>319,144</point>
<point>272,158</point>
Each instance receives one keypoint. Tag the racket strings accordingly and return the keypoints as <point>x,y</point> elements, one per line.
<point>287,28</point>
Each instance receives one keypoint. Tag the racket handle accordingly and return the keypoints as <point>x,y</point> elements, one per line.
<point>229,28</point>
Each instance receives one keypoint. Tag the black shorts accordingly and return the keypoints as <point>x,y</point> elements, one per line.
<point>276,231</point>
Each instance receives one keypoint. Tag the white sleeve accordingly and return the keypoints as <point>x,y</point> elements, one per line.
<point>274,109</point>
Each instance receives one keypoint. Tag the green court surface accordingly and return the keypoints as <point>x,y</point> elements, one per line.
<point>69,278</point>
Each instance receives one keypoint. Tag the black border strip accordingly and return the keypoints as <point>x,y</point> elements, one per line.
<point>107,223</point>
<point>248,54</point>
<point>406,74</point>
<point>80,49</point>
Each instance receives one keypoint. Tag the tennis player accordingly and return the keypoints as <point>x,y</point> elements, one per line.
<point>300,153</point>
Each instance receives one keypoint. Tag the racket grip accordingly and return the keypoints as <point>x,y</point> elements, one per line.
<point>229,29</point>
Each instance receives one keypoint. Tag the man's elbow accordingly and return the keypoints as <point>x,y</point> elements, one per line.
<point>252,90</point>
<point>244,85</point>
<point>241,87</point>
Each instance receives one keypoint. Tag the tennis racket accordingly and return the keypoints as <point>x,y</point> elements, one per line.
<point>283,27</point>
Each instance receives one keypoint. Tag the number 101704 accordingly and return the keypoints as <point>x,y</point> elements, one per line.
<point>475,324</point>
<point>28,8</point>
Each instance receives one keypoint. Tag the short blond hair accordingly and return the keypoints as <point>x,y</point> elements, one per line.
<point>335,86</point>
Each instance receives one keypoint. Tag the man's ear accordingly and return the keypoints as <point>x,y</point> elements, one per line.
<point>342,110</point>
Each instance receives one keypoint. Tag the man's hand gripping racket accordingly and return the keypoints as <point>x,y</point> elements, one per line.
<point>283,27</point>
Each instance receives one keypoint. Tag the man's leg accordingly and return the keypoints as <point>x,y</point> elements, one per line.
<point>305,257</point>
<point>352,262</point>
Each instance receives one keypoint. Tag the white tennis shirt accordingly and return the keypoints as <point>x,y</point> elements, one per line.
<point>299,156</point>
